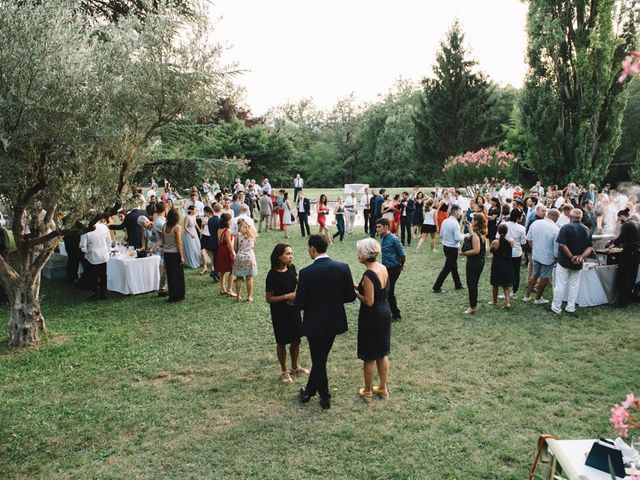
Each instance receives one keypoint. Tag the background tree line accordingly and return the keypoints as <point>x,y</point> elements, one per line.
<point>569,122</point>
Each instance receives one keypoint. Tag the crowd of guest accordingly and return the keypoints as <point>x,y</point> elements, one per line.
<point>528,239</point>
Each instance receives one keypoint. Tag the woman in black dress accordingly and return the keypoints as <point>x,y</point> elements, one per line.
<point>475,260</point>
<point>374,319</point>
<point>282,281</point>
<point>492,217</point>
<point>502,266</point>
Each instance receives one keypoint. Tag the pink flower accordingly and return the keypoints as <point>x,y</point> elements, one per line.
<point>629,401</point>
<point>629,67</point>
<point>619,415</point>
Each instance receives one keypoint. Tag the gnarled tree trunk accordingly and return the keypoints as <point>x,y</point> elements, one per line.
<point>26,322</point>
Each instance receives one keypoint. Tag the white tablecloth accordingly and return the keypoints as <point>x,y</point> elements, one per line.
<point>133,276</point>
<point>571,455</point>
<point>591,293</point>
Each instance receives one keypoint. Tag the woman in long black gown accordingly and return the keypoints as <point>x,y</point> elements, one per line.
<point>282,281</point>
<point>374,319</point>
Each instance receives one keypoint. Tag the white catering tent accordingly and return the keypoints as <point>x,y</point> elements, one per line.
<point>355,187</point>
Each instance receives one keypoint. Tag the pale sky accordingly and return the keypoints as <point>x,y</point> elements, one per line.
<point>327,49</point>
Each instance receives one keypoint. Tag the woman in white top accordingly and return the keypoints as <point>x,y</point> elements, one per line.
<point>429,226</point>
<point>287,219</point>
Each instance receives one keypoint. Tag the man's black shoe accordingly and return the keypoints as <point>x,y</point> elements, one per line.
<point>325,403</point>
<point>304,398</point>
<point>439,290</point>
<point>460,288</point>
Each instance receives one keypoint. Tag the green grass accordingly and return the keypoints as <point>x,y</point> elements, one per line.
<point>137,388</point>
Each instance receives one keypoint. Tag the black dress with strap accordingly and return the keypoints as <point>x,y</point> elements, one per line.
<point>374,322</point>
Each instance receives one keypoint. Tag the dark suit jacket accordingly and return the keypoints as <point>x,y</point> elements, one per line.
<point>409,207</point>
<point>213,224</point>
<point>323,289</point>
<point>307,206</point>
<point>378,205</point>
<point>134,231</point>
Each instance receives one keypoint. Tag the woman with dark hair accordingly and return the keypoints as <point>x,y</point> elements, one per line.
<point>492,217</point>
<point>226,255</point>
<point>323,211</point>
<point>475,260</point>
<point>396,214</point>
<point>287,219</point>
<point>443,208</point>
<point>429,226</point>
<point>285,318</point>
<point>191,239</point>
<point>502,266</point>
<point>418,215</point>
<point>173,256</point>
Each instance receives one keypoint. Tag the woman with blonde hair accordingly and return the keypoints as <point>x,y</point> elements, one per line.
<point>374,320</point>
<point>475,259</point>
<point>245,265</point>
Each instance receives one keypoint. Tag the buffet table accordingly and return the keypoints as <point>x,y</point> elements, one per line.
<point>597,285</point>
<point>131,276</point>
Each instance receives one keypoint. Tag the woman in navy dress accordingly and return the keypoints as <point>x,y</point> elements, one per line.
<point>374,320</point>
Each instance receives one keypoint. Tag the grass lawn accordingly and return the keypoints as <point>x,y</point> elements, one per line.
<point>137,388</point>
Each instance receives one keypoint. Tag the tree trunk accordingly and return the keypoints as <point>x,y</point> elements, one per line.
<point>26,322</point>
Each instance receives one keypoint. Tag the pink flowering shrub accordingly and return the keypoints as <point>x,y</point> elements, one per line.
<point>630,66</point>
<point>472,167</point>
<point>623,416</point>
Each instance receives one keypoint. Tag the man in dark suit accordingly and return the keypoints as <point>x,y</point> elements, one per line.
<point>130,222</point>
<point>323,289</point>
<point>303,206</point>
<point>213,224</point>
<point>376,210</point>
<point>407,207</point>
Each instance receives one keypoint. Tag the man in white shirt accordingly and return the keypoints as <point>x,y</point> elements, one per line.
<point>298,184</point>
<point>266,187</point>
<point>565,216</point>
<point>451,236</point>
<point>199,206</point>
<point>542,238</point>
<point>517,232</point>
<point>244,215</point>
<point>238,187</point>
<point>96,246</point>
<point>351,209</point>
<point>506,192</point>
<point>365,202</point>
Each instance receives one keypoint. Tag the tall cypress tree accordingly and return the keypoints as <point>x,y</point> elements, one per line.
<point>452,115</point>
<point>571,105</point>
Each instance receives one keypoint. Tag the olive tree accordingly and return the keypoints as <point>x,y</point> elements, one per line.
<point>80,105</point>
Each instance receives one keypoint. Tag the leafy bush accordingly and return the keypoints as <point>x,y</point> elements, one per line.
<point>472,167</point>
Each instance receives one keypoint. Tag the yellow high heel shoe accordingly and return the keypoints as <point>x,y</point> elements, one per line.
<point>364,394</point>
<point>384,394</point>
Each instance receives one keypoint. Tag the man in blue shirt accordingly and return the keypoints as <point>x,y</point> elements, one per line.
<point>393,257</point>
<point>451,236</point>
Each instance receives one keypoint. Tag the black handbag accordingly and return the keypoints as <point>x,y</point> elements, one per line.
<point>467,243</point>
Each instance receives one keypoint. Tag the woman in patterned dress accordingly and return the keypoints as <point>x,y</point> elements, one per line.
<point>245,265</point>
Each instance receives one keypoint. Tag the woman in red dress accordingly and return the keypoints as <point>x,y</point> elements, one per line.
<point>443,208</point>
<point>323,211</point>
<point>226,255</point>
<point>396,214</point>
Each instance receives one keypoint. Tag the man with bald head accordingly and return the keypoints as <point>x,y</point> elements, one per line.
<point>574,245</point>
